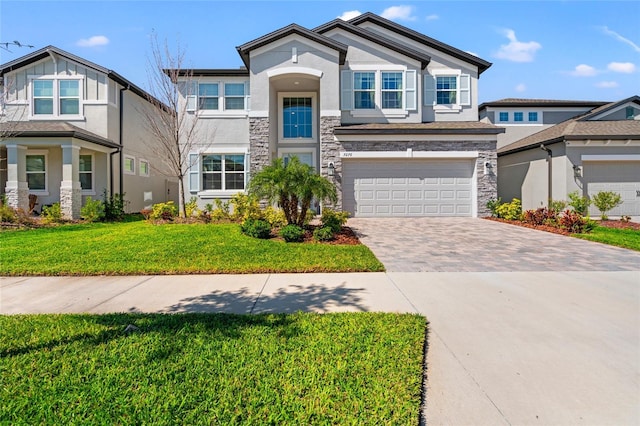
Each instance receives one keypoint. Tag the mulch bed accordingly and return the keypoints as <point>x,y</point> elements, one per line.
<point>346,236</point>
<point>619,224</point>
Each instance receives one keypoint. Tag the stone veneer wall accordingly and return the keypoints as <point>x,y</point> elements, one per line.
<point>258,143</point>
<point>330,153</point>
<point>18,198</point>
<point>487,182</point>
<point>71,201</point>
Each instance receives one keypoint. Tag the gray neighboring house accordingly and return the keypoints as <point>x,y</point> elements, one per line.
<point>388,114</point>
<point>72,129</point>
<point>598,150</point>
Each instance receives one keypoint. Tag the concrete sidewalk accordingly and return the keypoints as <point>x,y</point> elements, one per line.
<point>504,347</point>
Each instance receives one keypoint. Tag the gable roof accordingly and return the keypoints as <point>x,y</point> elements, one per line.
<point>423,58</point>
<point>245,49</point>
<point>421,38</point>
<point>521,102</point>
<point>580,128</point>
<point>46,52</point>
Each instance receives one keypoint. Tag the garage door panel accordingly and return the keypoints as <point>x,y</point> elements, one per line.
<point>408,187</point>
<point>622,177</point>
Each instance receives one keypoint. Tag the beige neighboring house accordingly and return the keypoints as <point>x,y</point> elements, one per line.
<point>388,114</point>
<point>72,129</point>
<point>598,150</point>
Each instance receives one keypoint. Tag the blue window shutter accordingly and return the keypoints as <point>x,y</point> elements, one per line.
<point>194,172</point>
<point>465,89</point>
<point>346,82</point>
<point>429,90</point>
<point>410,90</point>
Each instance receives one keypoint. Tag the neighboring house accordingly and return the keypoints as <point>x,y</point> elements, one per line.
<point>74,129</point>
<point>388,114</point>
<point>523,117</point>
<point>596,151</point>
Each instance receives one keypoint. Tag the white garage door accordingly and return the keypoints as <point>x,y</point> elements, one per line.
<point>622,177</point>
<point>408,187</point>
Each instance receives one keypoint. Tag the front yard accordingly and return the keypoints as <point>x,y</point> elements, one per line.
<point>130,248</point>
<point>627,238</point>
<point>225,369</point>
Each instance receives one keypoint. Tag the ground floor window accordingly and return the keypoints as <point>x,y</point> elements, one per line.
<point>86,172</point>
<point>37,172</point>
<point>223,172</point>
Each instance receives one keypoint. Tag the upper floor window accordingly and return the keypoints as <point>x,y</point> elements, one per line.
<point>504,116</point>
<point>385,90</point>
<point>55,97</point>
<point>218,97</point>
<point>629,113</point>
<point>533,117</point>
<point>447,89</point>
<point>297,117</point>
<point>518,116</point>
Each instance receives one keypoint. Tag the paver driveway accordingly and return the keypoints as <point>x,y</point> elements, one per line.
<point>480,245</point>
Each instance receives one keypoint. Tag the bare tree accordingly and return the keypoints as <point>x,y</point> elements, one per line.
<point>10,115</point>
<point>174,127</point>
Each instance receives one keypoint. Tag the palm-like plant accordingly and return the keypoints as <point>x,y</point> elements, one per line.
<point>292,186</point>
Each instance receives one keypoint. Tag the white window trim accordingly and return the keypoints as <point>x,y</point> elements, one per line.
<point>91,191</point>
<point>314,117</point>
<point>378,111</point>
<point>44,152</point>
<point>221,111</point>
<point>312,151</point>
<point>213,193</point>
<point>142,161</point>
<point>56,98</point>
<point>446,108</point>
<point>124,163</point>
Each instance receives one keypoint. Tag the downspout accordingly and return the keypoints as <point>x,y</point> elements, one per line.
<point>549,173</point>
<point>121,138</point>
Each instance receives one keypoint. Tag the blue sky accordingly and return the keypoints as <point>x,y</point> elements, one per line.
<point>587,50</point>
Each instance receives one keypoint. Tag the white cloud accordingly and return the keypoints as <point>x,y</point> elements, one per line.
<point>517,51</point>
<point>607,84</point>
<point>618,37</point>
<point>521,87</point>
<point>93,41</point>
<point>350,14</point>
<point>402,13</point>
<point>433,17</point>
<point>472,53</point>
<point>584,70</point>
<point>623,67</point>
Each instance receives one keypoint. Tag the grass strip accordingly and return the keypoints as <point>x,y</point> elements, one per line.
<point>286,369</point>
<point>625,238</point>
<point>143,248</point>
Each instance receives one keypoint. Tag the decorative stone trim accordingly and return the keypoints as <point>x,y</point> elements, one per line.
<point>17,195</point>
<point>70,201</point>
<point>258,143</point>
<point>330,153</point>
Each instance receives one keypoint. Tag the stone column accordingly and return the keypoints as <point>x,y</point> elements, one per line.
<point>330,153</point>
<point>16,187</point>
<point>70,190</point>
<point>258,143</point>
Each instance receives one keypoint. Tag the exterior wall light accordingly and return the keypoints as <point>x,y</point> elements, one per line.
<point>577,171</point>
<point>331,170</point>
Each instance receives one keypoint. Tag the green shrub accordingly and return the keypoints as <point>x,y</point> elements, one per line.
<point>541,216</point>
<point>221,211</point>
<point>510,211</point>
<point>191,208</point>
<point>52,214</point>
<point>292,233</point>
<point>605,201</point>
<point>493,205</point>
<point>164,211</point>
<point>7,214</point>
<point>92,211</point>
<point>558,205</point>
<point>113,207</point>
<point>245,207</point>
<point>333,219</point>
<point>579,203</point>
<point>323,234</point>
<point>256,228</point>
<point>274,216</point>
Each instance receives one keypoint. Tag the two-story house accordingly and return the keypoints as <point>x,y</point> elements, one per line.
<point>388,114</point>
<point>72,129</point>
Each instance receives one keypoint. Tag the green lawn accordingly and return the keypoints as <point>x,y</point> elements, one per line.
<point>143,248</point>
<point>361,368</point>
<point>627,238</point>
